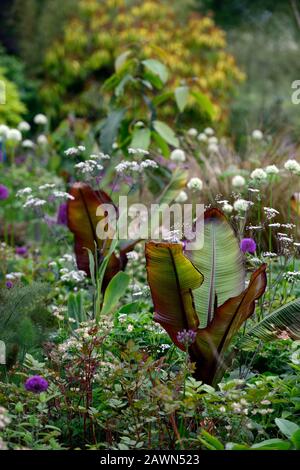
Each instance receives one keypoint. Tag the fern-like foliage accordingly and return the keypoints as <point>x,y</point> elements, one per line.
<point>24,319</point>
<point>283,322</point>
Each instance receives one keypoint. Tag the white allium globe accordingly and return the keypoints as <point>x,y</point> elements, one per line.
<point>182,197</point>
<point>257,134</point>
<point>178,156</point>
<point>195,184</point>
<point>40,119</point>
<point>238,181</point>
<point>258,174</point>
<point>14,135</point>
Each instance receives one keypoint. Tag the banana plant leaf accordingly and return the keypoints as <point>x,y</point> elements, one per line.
<point>172,277</point>
<point>283,323</point>
<point>82,221</point>
<point>212,342</point>
<point>221,263</point>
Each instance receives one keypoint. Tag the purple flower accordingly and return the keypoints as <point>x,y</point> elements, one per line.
<point>36,384</point>
<point>62,215</point>
<point>248,245</point>
<point>21,250</point>
<point>4,192</point>
<point>186,337</point>
<point>9,284</point>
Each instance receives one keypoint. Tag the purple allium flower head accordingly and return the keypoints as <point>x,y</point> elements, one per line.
<point>186,337</point>
<point>36,384</point>
<point>62,214</point>
<point>4,192</point>
<point>9,284</point>
<point>248,245</point>
<point>21,250</point>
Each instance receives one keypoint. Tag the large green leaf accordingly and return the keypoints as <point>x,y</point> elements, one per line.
<point>157,68</point>
<point>172,277</point>
<point>141,138</point>
<point>221,262</point>
<point>166,133</point>
<point>110,129</point>
<point>212,342</point>
<point>285,319</point>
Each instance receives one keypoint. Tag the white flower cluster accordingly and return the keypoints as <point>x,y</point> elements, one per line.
<point>178,156</point>
<point>13,276</point>
<point>293,166</point>
<point>137,151</point>
<point>72,276</point>
<point>272,170</point>
<point>27,144</point>
<point>292,276</point>
<point>13,135</point>
<point>195,184</point>
<point>74,150</point>
<point>257,134</point>
<point>34,202</point>
<point>88,167</point>
<point>238,181</point>
<point>259,175</point>
<point>40,119</point>
<point>270,212</point>
<point>135,167</point>
<point>241,205</point>
<point>24,126</point>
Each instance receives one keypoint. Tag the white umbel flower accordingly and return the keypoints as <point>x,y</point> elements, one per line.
<point>271,170</point>
<point>257,134</point>
<point>195,184</point>
<point>292,166</point>
<point>238,181</point>
<point>182,197</point>
<point>258,174</point>
<point>178,156</point>
<point>241,205</point>
<point>40,119</point>
<point>213,140</point>
<point>14,135</point>
<point>24,126</point>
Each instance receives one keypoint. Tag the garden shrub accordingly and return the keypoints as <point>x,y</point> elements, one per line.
<point>195,52</point>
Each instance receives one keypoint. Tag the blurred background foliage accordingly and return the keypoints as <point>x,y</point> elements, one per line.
<point>67,49</point>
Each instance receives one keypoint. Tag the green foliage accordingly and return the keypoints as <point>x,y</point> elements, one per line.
<point>24,320</point>
<point>13,108</point>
